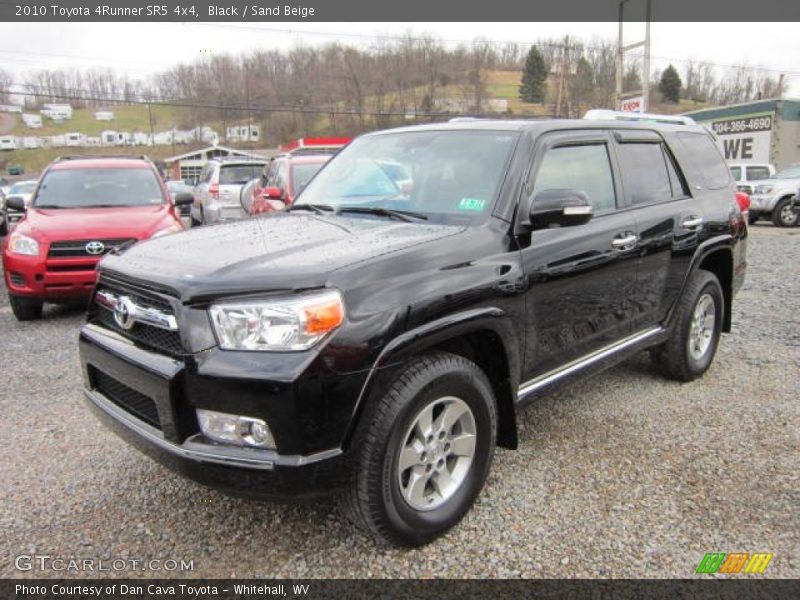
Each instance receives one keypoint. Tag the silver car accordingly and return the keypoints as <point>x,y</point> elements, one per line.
<point>216,195</point>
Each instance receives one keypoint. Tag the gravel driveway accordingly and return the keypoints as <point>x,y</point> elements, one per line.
<point>626,475</point>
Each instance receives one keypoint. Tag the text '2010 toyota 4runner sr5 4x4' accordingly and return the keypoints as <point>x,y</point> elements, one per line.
<point>377,338</point>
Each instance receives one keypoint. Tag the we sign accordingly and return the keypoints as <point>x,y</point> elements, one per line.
<point>745,139</point>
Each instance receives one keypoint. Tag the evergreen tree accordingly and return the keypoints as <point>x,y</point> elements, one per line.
<point>534,77</point>
<point>670,85</point>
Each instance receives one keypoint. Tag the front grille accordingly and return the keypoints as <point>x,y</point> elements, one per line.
<point>73,248</point>
<point>140,406</point>
<point>154,338</point>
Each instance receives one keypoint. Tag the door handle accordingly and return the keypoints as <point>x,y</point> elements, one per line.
<point>692,222</point>
<point>625,243</point>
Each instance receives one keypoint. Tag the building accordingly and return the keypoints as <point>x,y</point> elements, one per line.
<point>32,121</point>
<point>104,115</point>
<point>57,112</point>
<point>243,133</point>
<point>762,131</point>
<point>189,165</point>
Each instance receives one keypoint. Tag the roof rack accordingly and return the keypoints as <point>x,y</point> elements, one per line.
<point>619,115</point>
<point>96,156</point>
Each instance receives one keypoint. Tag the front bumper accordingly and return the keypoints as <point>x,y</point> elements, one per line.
<point>45,279</point>
<point>174,386</point>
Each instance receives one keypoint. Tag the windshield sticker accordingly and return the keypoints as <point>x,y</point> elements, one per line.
<point>473,204</point>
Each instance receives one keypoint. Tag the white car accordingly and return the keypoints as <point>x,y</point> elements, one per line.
<point>746,174</point>
<point>772,198</point>
<point>216,196</point>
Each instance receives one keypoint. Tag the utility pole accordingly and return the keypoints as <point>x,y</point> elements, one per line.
<point>646,61</point>
<point>562,76</point>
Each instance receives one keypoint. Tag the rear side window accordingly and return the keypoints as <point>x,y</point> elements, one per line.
<point>582,167</point>
<point>755,173</point>
<point>238,174</point>
<point>644,171</point>
<point>706,159</point>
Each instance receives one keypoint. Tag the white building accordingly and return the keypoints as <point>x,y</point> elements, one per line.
<point>32,121</point>
<point>31,142</point>
<point>75,140</point>
<point>12,108</point>
<point>57,112</point>
<point>92,141</point>
<point>108,137</point>
<point>55,141</point>
<point>243,133</point>
<point>141,139</point>
<point>104,115</point>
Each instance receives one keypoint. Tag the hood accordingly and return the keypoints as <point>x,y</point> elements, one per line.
<point>100,223</point>
<point>282,251</point>
<point>785,183</point>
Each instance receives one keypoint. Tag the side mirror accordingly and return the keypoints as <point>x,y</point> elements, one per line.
<point>273,193</point>
<point>183,199</point>
<point>16,203</point>
<point>562,207</point>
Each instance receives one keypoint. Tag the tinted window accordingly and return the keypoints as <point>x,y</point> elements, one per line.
<point>737,173</point>
<point>585,168</point>
<point>302,174</point>
<point>706,159</point>
<point>679,188</point>
<point>754,173</point>
<point>238,174</point>
<point>644,172</point>
<point>71,188</point>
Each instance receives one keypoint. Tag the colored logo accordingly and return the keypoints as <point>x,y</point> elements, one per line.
<point>736,562</point>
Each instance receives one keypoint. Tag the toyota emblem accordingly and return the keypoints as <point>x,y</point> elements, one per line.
<point>125,312</point>
<point>95,248</point>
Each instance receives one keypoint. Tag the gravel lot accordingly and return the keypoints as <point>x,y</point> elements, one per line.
<point>627,475</point>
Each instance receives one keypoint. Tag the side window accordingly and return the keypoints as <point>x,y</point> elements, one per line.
<point>706,159</point>
<point>583,167</point>
<point>280,176</point>
<point>754,173</point>
<point>644,171</point>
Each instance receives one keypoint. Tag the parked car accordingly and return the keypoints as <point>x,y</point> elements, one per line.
<point>22,190</point>
<point>283,177</point>
<point>746,174</point>
<point>378,342</point>
<point>82,209</point>
<point>217,194</point>
<point>16,170</point>
<point>176,187</point>
<point>3,218</point>
<point>772,198</point>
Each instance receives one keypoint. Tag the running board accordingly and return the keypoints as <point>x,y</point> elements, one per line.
<point>546,379</point>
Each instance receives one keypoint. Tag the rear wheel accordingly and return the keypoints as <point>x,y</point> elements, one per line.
<point>426,452</point>
<point>752,217</point>
<point>689,351</point>
<point>25,309</point>
<point>783,215</point>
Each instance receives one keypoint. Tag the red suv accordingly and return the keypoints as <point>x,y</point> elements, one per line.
<point>82,209</point>
<point>282,179</point>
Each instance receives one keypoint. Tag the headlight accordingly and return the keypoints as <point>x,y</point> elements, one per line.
<point>279,325</point>
<point>174,228</point>
<point>764,189</point>
<point>22,244</point>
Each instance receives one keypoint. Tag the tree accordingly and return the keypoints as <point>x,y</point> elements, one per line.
<point>670,85</point>
<point>533,77</point>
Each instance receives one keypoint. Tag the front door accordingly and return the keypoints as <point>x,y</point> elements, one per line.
<point>580,278</point>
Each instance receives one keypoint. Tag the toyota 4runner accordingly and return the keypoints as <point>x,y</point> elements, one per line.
<point>377,340</point>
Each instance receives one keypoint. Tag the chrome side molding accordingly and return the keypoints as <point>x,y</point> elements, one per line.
<point>546,379</point>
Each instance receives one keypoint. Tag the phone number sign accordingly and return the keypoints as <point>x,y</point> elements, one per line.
<point>745,139</point>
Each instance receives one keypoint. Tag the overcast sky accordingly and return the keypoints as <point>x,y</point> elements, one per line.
<point>144,48</point>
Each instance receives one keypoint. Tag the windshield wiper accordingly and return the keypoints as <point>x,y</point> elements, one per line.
<point>320,209</point>
<point>403,215</point>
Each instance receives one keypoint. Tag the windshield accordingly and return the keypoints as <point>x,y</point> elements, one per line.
<point>23,188</point>
<point>76,188</point>
<point>239,174</point>
<point>788,173</point>
<point>447,175</point>
<point>302,174</point>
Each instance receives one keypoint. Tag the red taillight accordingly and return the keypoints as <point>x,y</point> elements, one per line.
<point>743,200</point>
<point>213,189</point>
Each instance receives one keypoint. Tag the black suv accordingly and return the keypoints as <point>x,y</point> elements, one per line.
<point>377,339</point>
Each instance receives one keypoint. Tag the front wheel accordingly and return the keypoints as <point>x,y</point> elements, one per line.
<point>427,451</point>
<point>783,215</point>
<point>689,351</point>
<point>25,309</point>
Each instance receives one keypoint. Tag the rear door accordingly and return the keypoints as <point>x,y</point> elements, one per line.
<point>580,278</point>
<point>231,179</point>
<point>668,220</point>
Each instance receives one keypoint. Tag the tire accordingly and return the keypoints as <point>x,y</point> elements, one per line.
<point>752,217</point>
<point>194,222</point>
<point>783,215</point>
<point>383,499</point>
<point>687,355</point>
<point>25,309</point>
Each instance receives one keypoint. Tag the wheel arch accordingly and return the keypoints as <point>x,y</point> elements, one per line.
<point>717,258</point>
<point>485,336</point>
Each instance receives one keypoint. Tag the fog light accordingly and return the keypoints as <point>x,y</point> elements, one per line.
<point>234,429</point>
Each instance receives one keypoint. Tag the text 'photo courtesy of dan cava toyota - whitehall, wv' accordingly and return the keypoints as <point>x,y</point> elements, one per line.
<point>333,304</point>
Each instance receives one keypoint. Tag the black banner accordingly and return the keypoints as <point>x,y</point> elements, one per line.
<point>441,589</point>
<point>710,11</point>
